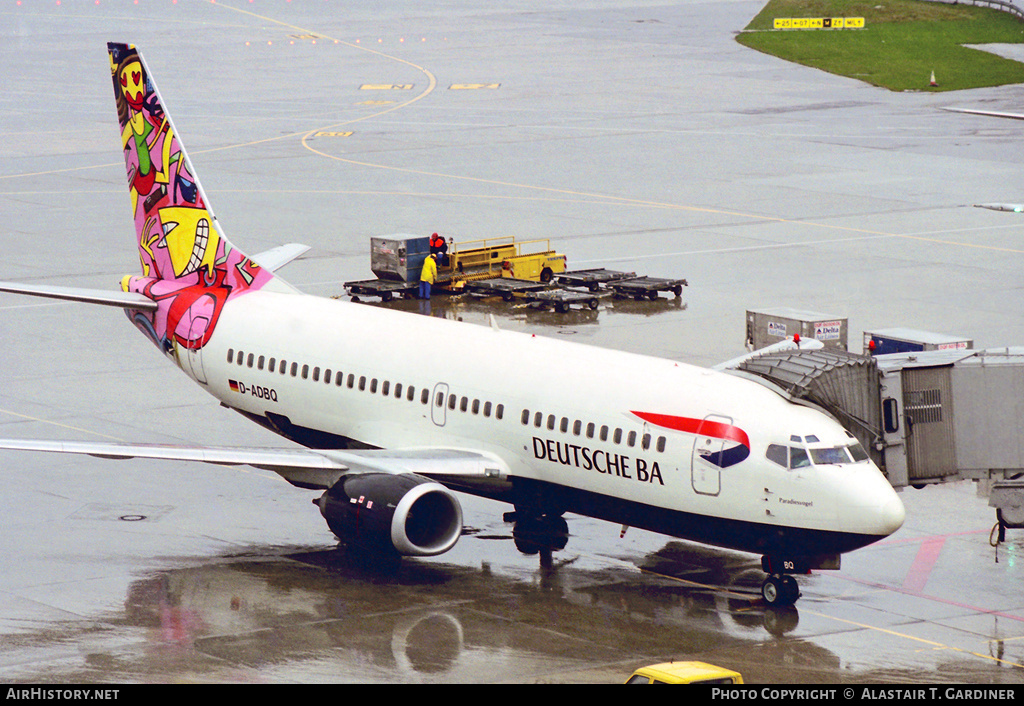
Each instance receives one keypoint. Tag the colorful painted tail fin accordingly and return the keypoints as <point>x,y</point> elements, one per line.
<point>189,269</point>
<point>179,238</point>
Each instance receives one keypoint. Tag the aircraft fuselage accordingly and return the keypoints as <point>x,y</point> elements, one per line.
<point>636,440</point>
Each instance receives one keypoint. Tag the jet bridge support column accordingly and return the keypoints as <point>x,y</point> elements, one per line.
<point>892,457</point>
<point>1007,497</point>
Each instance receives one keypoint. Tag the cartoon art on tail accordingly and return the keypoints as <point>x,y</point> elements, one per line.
<point>188,267</point>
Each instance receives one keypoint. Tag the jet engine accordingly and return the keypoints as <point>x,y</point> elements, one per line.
<point>407,514</point>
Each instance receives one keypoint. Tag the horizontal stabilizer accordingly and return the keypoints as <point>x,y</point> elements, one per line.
<point>276,258</point>
<point>306,468</point>
<point>123,300</point>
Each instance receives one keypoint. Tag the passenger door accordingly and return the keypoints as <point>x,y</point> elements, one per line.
<point>706,460</point>
<point>438,404</point>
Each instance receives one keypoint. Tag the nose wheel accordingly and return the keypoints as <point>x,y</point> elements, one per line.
<point>780,590</point>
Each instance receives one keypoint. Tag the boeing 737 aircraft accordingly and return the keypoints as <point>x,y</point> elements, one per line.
<point>387,434</point>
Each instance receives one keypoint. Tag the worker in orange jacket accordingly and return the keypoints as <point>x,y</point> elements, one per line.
<point>439,247</point>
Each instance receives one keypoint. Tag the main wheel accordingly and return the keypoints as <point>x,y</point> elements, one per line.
<point>534,534</point>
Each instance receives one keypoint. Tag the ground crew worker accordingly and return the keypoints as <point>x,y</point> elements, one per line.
<point>440,248</point>
<point>442,253</point>
<point>427,275</point>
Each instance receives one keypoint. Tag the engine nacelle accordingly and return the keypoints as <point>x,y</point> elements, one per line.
<point>407,514</point>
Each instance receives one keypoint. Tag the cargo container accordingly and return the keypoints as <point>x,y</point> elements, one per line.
<point>906,340</point>
<point>398,257</point>
<point>768,326</point>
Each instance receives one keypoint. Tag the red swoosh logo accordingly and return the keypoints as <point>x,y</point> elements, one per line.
<point>705,427</point>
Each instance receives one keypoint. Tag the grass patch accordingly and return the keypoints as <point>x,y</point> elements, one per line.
<point>902,42</point>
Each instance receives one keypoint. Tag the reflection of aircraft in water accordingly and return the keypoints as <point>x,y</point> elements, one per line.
<point>713,586</point>
<point>264,613</point>
<point>398,410</point>
<point>306,615</point>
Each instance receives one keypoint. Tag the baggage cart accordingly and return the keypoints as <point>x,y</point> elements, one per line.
<point>647,287</point>
<point>592,279</point>
<point>386,289</point>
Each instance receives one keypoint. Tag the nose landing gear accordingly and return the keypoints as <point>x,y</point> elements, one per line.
<point>779,590</point>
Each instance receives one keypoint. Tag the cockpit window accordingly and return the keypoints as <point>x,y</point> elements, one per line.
<point>779,454</point>
<point>795,457</point>
<point>787,456</point>
<point>854,453</point>
<point>830,456</point>
<point>798,458</point>
<point>858,452</point>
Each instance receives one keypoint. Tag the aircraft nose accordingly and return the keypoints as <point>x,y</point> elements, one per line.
<point>870,506</point>
<point>892,515</point>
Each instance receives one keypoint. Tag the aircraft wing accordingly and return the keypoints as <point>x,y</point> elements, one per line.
<point>989,113</point>
<point>123,300</point>
<point>276,258</point>
<point>305,468</point>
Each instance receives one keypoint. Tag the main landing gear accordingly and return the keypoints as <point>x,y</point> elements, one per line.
<point>537,533</point>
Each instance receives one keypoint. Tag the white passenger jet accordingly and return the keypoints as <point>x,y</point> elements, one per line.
<point>387,433</point>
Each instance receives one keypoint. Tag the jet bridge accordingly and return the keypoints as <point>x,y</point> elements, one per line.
<point>844,384</point>
<point>925,417</point>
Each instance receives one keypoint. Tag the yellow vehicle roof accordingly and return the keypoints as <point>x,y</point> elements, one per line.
<point>689,673</point>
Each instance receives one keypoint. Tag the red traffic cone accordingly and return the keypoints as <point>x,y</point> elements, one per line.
<point>933,81</point>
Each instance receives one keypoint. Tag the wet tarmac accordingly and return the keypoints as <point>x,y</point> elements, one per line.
<point>633,136</point>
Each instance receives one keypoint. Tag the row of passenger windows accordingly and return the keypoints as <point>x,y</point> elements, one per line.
<point>362,383</point>
<point>475,406</point>
<point>604,433</point>
<point>463,404</point>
